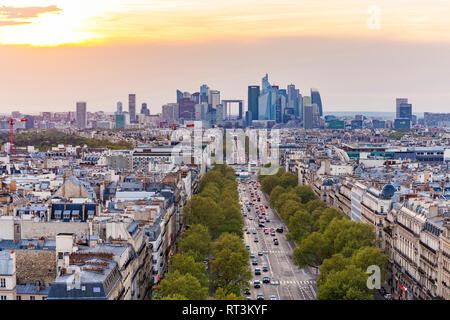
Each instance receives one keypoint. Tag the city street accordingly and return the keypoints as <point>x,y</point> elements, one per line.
<point>287,282</point>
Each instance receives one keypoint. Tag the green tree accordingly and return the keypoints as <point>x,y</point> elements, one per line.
<point>230,270</point>
<point>311,251</point>
<point>315,204</point>
<point>327,216</point>
<point>357,235</point>
<point>204,211</point>
<point>229,241</point>
<point>275,194</point>
<point>196,242</point>
<point>185,263</point>
<point>222,295</point>
<point>301,224</point>
<point>175,297</point>
<point>305,193</point>
<point>288,180</point>
<point>185,285</point>
<point>347,284</point>
<point>212,191</point>
<point>213,176</point>
<point>269,183</point>
<point>288,196</point>
<point>368,256</point>
<point>288,209</point>
<point>337,262</point>
<point>230,264</point>
<point>345,236</point>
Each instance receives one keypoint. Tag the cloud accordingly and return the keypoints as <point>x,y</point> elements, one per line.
<point>8,12</point>
<point>12,23</point>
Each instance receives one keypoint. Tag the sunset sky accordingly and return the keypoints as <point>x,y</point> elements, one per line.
<point>56,52</point>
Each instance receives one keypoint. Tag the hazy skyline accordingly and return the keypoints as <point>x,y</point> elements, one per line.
<point>54,53</point>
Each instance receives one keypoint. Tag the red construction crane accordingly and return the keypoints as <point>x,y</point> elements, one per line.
<point>11,134</point>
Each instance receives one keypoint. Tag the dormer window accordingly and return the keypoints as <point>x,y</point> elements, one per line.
<point>66,214</point>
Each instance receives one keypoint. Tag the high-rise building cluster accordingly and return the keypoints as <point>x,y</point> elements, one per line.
<point>205,105</point>
<point>269,103</point>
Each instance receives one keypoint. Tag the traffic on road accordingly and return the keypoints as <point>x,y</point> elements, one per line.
<point>275,277</point>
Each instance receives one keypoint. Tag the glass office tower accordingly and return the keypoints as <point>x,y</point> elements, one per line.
<point>315,98</point>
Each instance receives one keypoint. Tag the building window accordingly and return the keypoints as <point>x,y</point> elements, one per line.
<point>3,298</point>
<point>19,297</point>
<point>2,283</point>
<point>32,298</point>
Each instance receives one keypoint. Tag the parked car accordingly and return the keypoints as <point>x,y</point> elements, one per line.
<point>265,268</point>
<point>254,262</point>
<point>260,296</point>
<point>256,284</point>
<point>257,272</point>
<point>273,297</point>
<point>266,280</point>
<point>247,247</point>
<point>260,253</point>
<point>256,239</point>
<point>252,255</point>
<point>275,241</point>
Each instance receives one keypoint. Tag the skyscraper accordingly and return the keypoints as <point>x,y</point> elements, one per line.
<point>214,98</point>
<point>120,121</point>
<point>196,97</point>
<point>170,112</point>
<point>293,96</point>
<point>219,114</point>
<point>403,114</point>
<point>145,110</point>
<point>253,95</point>
<point>398,102</point>
<point>265,100</point>
<point>248,118</point>
<point>179,95</point>
<point>308,116</point>
<point>30,123</point>
<point>300,106</point>
<point>405,111</point>
<point>81,115</point>
<point>187,109</point>
<point>315,98</point>
<point>119,108</point>
<point>204,93</point>
<point>132,107</point>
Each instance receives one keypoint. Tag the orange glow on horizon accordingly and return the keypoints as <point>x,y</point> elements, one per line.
<point>87,22</point>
